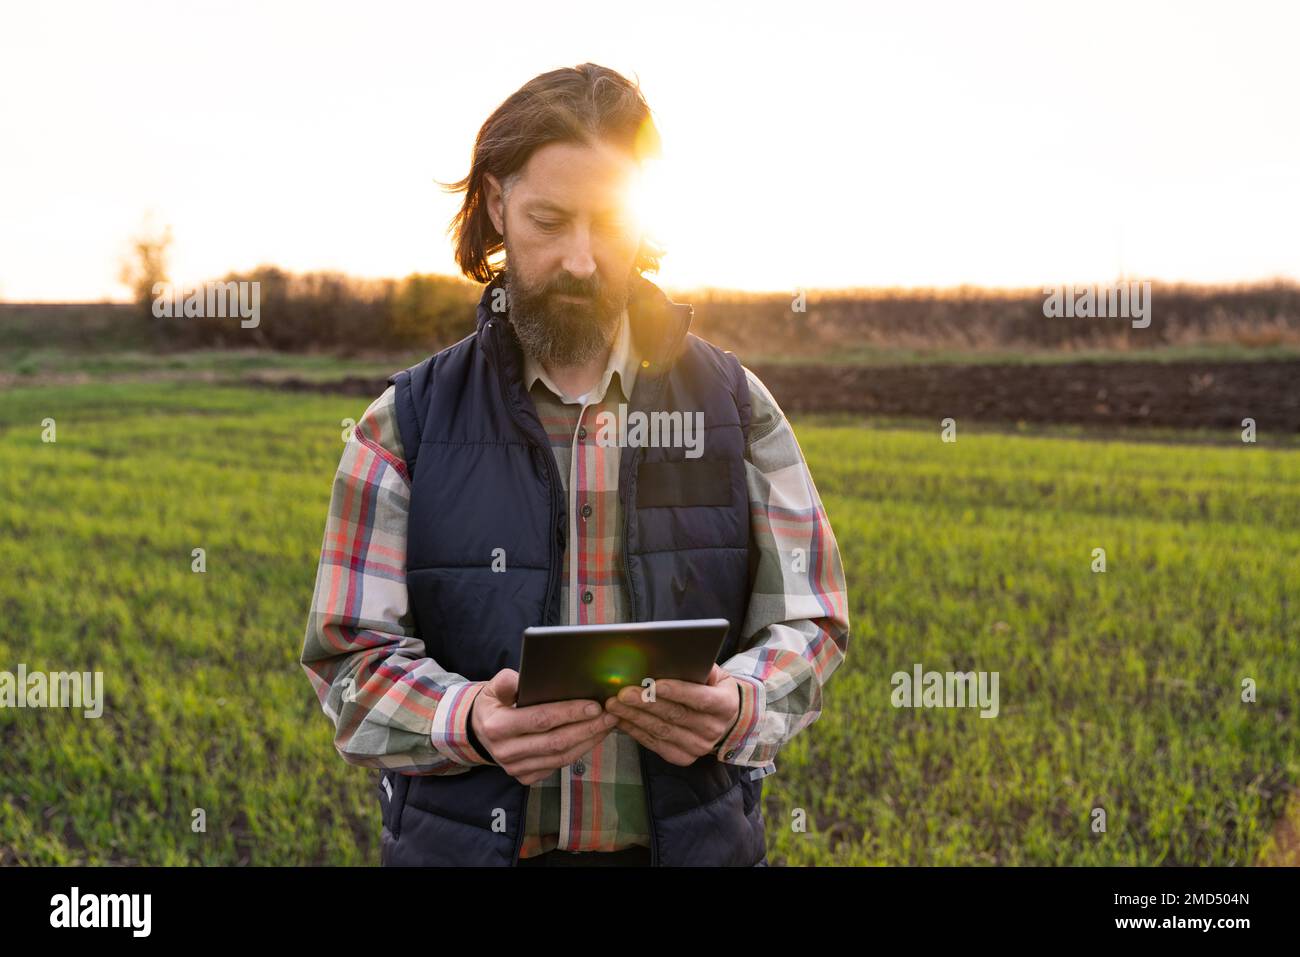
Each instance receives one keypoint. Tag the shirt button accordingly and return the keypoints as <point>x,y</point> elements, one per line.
<point>586,510</point>
<point>579,768</point>
<point>586,598</point>
<point>731,754</point>
<point>582,432</point>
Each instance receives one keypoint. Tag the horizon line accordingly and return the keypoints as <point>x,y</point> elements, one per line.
<point>1239,285</point>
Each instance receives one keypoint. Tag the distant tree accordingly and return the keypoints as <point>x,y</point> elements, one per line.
<point>430,310</point>
<point>146,264</point>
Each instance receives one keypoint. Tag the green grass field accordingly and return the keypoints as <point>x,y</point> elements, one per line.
<point>1118,691</point>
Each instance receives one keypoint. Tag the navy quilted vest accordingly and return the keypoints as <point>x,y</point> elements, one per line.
<point>483,477</point>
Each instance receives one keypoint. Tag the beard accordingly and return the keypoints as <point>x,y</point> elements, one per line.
<point>557,331</point>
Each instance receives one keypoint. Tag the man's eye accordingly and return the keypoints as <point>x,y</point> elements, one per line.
<point>546,225</point>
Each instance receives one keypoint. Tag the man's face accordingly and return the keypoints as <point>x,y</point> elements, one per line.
<point>571,243</point>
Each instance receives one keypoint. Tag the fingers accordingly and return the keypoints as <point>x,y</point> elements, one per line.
<point>541,718</point>
<point>701,697</point>
<point>701,725</point>
<point>547,765</point>
<point>530,743</point>
<point>667,750</point>
<point>666,724</point>
<point>534,768</point>
<point>504,686</point>
<point>670,711</point>
<point>551,748</point>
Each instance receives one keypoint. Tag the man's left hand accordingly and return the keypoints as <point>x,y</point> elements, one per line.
<point>686,719</point>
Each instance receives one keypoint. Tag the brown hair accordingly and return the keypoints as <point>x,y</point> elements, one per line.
<point>581,104</point>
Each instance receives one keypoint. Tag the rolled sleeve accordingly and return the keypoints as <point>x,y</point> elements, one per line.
<point>451,732</point>
<point>739,744</point>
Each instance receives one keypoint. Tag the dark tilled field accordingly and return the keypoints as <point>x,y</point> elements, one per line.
<point>1168,394</point>
<point>1176,394</point>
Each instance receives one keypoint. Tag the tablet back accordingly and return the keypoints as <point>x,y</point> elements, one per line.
<point>563,662</point>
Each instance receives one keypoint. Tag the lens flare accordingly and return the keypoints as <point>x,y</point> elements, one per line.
<point>621,665</point>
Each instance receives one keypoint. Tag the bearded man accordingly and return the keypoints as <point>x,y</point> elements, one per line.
<point>473,500</point>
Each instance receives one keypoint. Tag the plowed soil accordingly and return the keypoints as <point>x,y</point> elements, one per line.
<point>1175,394</point>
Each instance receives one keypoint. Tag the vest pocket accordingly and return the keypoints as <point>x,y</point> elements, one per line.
<point>678,484</point>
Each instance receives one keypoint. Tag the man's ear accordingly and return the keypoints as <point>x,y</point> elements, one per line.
<point>495,202</point>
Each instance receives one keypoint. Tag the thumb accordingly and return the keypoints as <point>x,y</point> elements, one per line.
<point>717,675</point>
<point>505,686</point>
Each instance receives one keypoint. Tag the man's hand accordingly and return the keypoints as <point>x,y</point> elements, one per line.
<point>686,720</point>
<point>529,743</point>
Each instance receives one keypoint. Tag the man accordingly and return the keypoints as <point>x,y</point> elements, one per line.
<point>482,494</point>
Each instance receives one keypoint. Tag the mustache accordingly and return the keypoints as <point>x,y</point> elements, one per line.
<point>565,285</point>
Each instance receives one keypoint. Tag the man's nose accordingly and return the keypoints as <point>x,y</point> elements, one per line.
<point>578,260</point>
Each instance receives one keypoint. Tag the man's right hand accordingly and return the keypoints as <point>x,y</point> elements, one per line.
<point>529,743</point>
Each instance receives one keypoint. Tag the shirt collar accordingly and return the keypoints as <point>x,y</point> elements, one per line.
<point>623,359</point>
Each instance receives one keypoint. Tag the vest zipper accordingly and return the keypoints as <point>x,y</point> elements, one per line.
<point>551,579</point>
<point>628,518</point>
<point>551,469</point>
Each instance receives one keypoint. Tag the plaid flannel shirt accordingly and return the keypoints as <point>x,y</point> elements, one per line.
<point>394,707</point>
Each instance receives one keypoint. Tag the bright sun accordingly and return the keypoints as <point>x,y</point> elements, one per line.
<point>651,201</point>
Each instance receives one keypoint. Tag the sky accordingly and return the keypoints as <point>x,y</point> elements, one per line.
<point>807,145</point>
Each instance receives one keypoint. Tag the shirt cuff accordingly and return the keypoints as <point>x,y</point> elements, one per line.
<point>450,734</point>
<point>736,746</point>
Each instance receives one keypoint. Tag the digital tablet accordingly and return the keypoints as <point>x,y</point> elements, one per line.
<point>563,662</point>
